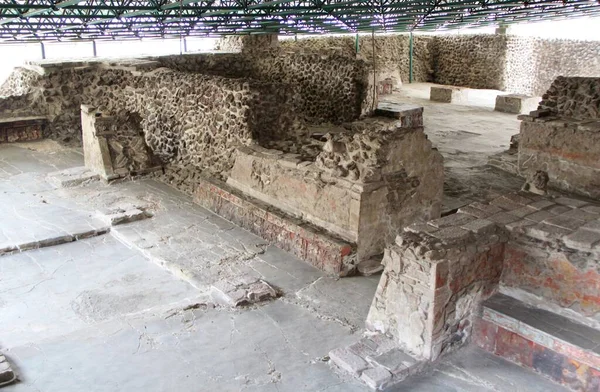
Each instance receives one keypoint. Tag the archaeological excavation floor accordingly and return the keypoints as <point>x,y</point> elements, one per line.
<point>130,309</point>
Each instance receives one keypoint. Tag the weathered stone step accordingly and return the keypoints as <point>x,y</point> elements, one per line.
<point>377,361</point>
<point>555,346</point>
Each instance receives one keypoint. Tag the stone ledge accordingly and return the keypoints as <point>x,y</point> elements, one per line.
<point>550,344</point>
<point>306,242</point>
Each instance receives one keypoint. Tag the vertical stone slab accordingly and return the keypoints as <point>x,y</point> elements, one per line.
<point>95,148</point>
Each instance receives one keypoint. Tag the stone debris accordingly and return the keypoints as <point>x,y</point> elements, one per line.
<point>376,360</point>
<point>72,177</point>
<point>7,375</point>
<point>242,291</point>
<point>121,215</point>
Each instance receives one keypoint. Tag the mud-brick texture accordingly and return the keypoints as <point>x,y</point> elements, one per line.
<point>365,185</point>
<point>553,253</point>
<point>293,235</point>
<point>435,276</point>
<point>563,138</point>
<point>22,130</point>
<point>556,347</point>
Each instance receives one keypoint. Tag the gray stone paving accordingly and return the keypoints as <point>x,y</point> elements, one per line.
<point>98,314</point>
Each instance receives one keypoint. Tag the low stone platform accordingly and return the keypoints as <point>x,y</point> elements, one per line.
<point>516,103</point>
<point>310,244</point>
<point>449,94</point>
<point>565,351</point>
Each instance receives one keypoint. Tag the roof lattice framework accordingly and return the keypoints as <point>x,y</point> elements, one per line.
<point>34,20</point>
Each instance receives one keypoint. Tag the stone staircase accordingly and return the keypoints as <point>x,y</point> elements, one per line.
<point>557,347</point>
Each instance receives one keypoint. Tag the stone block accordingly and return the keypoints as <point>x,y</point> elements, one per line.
<point>377,378</point>
<point>523,211</point>
<point>348,361</point>
<point>395,360</point>
<point>451,234</point>
<point>570,202</point>
<point>507,203</point>
<point>480,226</point>
<point>449,94</point>
<point>564,222</point>
<point>516,103</point>
<point>241,291</point>
<point>540,216</point>
<point>541,204</point>
<point>546,232</point>
<point>470,210</point>
<point>72,177</point>
<point>503,218</point>
<point>592,226</point>
<point>457,219</point>
<point>519,226</point>
<point>582,239</point>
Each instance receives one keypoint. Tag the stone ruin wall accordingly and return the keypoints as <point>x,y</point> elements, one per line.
<point>191,120</point>
<point>573,98</point>
<point>520,65</point>
<point>328,87</point>
<point>562,138</point>
<point>475,61</point>
<point>391,52</point>
<point>534,63</point>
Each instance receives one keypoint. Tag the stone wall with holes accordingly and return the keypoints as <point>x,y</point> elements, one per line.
<point>187,119</point>
<point>435,276</point>
<point>562,138</point>
<point>328,87</point>
<point>391,52</point>
<point>475,61</point>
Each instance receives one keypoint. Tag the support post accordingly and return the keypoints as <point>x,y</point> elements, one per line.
<point>94,49</point>
<point>185,45</point>
<point>356,47</point>
<point>410,58</point>
<point>43,51</point>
